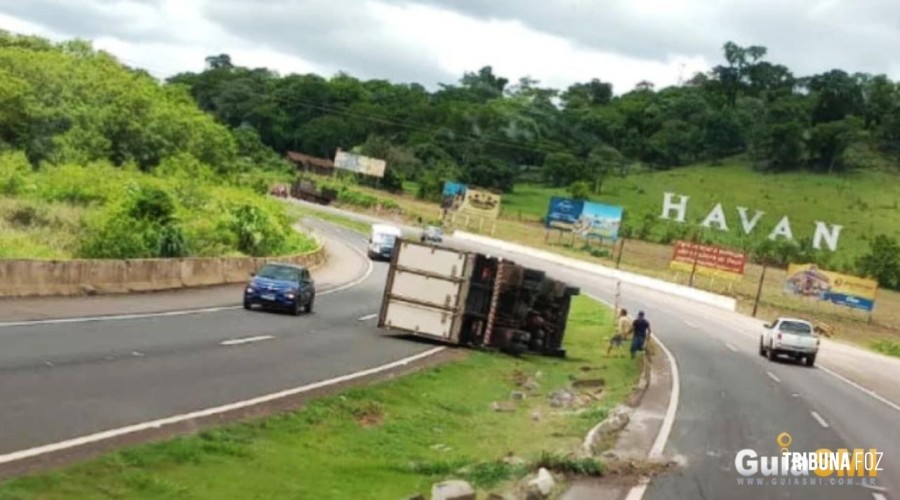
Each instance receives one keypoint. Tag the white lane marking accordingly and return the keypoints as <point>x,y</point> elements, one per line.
<point>878,496</point>
<point>246,340</point>
<point>156,424</point>
<point>368,317</point>
<point>370,268</point>
<point>819,419</point>
<point>861,388</point>
<point>690,324</point>
<point>733,348</point>
<point>773,377</point>
<point>873,487</point>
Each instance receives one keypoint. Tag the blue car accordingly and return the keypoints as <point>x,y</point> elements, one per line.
<point>281,286</point>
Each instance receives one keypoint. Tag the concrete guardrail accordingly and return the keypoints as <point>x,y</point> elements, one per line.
<point>720,301</point>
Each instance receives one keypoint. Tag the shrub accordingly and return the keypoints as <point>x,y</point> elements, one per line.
<point>14,173</point>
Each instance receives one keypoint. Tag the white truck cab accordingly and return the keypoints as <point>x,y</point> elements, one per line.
<point>791,337</point>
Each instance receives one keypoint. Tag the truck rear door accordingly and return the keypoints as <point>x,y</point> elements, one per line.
<point>426,291</point>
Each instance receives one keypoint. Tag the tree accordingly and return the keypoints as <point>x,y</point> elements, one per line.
<point>593,93</point>
<point>882,262</point>
<point>602,161</point>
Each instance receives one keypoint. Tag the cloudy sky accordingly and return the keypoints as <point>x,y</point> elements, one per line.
<point>429,41</point>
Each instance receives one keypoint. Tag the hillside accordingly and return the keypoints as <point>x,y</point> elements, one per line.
<point>98,160</point>
<point>865,203</point>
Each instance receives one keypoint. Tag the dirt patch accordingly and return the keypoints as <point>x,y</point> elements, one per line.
<point>588,383</point>
<point>628,471</point>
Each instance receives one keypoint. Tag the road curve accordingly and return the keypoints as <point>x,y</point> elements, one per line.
<point>115,373</point>
<point>60,381</point>
<point>732,399</point>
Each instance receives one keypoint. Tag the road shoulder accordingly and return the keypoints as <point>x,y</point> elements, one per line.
<point>627,464</point>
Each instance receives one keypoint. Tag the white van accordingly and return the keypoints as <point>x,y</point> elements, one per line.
<point>382,240</point>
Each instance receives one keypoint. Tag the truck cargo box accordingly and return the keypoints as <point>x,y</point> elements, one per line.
<point>467,298</point>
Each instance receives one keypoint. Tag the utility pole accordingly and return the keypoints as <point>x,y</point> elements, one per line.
<point>762,280</point>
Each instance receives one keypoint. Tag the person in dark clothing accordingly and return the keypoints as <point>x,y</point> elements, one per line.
<point>640,333</point>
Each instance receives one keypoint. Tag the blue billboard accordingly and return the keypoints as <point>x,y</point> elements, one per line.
<point>590,220</point>
<point>564,211</point>
<point>453,195</point>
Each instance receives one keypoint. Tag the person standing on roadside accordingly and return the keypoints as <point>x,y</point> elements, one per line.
<point>623,329</point>
<point>640,334</point>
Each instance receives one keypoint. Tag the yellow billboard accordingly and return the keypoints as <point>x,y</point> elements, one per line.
<point>477,203</point>
<point>851,291</point>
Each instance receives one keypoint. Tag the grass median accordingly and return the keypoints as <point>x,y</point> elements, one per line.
<point>382,441</point>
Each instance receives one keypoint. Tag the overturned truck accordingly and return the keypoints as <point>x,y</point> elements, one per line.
<point>472,299</point>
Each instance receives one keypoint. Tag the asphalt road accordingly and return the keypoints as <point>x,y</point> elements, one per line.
<point>60,381</point>
<point>733,399</point>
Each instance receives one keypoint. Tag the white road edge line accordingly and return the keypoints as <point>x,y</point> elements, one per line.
<point>733,348</point>
<point>370,268</point>
<point>861,388</point>
<point>773,377</point>
<point>879,496</point>
<point>246,340</point>
<point>656,450</point>
<point>819,419</point>
<point>873,487</point>
<point>368,317</point>
<point>155,424</point>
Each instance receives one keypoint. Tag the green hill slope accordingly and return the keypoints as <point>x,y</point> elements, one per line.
<point>865,203</point>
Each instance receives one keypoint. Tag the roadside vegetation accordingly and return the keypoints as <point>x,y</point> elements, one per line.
<point>388,440</point>
<point>98,160</point>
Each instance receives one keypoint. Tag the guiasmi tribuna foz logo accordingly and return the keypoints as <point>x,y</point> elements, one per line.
<point>841,467</point>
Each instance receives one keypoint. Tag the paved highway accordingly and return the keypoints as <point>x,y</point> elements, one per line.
<point>733,399</point>
<point>58,381</point>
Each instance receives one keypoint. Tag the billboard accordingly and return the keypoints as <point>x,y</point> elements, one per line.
<point>711,260</point>
<point>809,281</point>
<point>479,203</point>
<point>452,196</point>
<point>564,211</point>
<point>590,220</point>
<point>359,164</point>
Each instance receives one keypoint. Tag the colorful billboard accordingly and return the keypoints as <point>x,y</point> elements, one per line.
<point>711,260</point>
<point>590,220</point>
<point>359,164</point>
<point>809,281</point>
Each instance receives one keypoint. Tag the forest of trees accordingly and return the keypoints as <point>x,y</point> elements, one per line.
<point>489,131</point>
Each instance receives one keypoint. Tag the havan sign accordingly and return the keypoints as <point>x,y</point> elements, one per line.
<point>829,234</point>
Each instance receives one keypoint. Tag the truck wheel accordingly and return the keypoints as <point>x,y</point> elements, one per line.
<point>811,361</point>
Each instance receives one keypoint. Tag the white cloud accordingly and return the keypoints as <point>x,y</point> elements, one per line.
<point>461,43</point>
<point>431,41</point>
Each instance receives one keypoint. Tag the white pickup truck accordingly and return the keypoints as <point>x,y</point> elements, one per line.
<point>791,337</point>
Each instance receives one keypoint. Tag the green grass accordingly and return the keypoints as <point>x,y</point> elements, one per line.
<point>301,212</point>
<point>384,441</point>
<point>74,211</point>
<point>889,347</point>
<point>865,203</point>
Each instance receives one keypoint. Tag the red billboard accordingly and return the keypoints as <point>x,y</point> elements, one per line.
<point>710,260</point>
